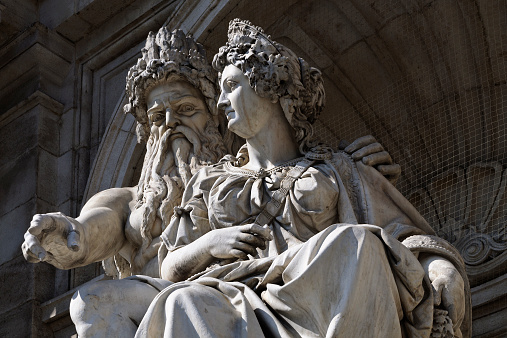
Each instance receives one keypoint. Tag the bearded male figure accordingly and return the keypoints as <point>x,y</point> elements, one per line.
<point>172,94</point>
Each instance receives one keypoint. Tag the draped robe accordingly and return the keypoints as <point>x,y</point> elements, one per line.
<point>335,267</point>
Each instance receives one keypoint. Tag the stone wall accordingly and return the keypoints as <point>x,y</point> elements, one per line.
<point>62,71</point>
<point>427,78</point>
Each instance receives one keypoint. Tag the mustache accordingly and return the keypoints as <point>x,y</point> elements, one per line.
<point>188,133</point>
<point>168,157</point>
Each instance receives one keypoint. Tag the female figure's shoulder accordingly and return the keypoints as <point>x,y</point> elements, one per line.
<point>321,177</point>
<point>330,162</point>
<point>204,179</point>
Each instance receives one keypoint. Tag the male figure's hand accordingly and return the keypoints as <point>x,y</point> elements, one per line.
<point>370,152</point>
<point>53,238</point>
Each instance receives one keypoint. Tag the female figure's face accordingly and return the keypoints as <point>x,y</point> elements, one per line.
<point>247,113</point>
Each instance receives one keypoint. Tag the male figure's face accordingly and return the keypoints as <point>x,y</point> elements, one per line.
<point>183,138</point>
<point>174,105</point>
<point>178,119</point>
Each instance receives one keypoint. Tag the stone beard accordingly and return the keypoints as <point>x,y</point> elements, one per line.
<point>169,163</point>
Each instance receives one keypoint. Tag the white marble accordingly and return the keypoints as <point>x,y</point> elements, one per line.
<point>299,262</point>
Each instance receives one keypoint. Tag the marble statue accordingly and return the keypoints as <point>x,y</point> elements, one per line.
<point>172,94</point>
<point>293,239</point>
<point>177,96</point>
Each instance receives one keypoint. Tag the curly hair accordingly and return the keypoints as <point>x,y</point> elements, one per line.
<point>275,72</point>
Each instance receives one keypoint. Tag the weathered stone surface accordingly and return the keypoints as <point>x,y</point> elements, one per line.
<point>19,181</point>
<point>15,17</point>
<point>491,326</point>
<point>15,272</point>
<point>464,42</point>
<point>64,182</point>
<point>49,130</point>
<point>37,66</point>
<point>47,169</point>
<point>67,131</point>
<point>19,322</point>
<point>13,225</point>
<point>33,278</point>
<point>14,146</point>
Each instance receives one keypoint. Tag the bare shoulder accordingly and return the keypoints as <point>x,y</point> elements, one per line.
<point>113,198</point>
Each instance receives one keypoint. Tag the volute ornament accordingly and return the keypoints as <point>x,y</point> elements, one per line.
<point>473,221</point>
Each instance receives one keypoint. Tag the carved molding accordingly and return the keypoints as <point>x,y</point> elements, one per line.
<point>468,207</point>
<point>117,155</point>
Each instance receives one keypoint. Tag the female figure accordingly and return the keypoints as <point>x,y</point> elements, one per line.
<point>289,238</point>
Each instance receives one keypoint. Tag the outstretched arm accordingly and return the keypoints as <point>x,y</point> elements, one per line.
<point>97,233</point>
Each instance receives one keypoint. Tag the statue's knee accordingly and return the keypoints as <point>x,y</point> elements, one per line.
<point>101,309</point>
<point>86,300</point>
<point>197,296</point>
<point>351,232</point>
<point>181,295</point>
<point>82,312</point>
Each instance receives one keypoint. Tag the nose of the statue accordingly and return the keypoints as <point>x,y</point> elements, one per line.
<point>171,121</point>
<point>223,102</point>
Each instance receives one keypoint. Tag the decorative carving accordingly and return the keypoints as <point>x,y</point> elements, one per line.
<point>241,234</point>
<point>442,325</point>
<point>468,207</point>
<point>478,248</point>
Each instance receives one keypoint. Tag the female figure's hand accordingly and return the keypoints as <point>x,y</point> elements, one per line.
<point>237,241</point>
<point>448,286</point>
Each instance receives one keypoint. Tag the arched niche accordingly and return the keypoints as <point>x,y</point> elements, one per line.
<point>428,80</point>
<point>119,156</point>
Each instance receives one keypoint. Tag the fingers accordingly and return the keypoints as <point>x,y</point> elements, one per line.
<point>391,170</point>
<point>253,240</point>
<point>256,229</point>
<point>343,144</point>
<point>32,250</point>
<point>371,153</point>
<point>239,254</point>
<point>246,248</point>
<point>41,222</point>
<point>73,240</point>
<point>43,229</point>
<point>360,143</point>
<point>368,151</point>
<point>381,157</point>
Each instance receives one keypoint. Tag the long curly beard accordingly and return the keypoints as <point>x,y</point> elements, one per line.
<point>168,167</point>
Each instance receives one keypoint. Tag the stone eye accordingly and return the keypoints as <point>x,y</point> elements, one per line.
<point>231,84</point>
<point>157,117</point>
<point>186,108</point>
